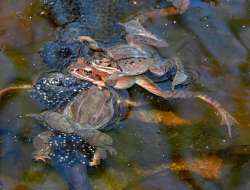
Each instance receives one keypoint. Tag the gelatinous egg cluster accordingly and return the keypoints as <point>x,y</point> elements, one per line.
<point>57,89</point>
<point>68,150</point>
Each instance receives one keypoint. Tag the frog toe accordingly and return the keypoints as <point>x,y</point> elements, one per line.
<point>181,5</point>
<point>111,150</point>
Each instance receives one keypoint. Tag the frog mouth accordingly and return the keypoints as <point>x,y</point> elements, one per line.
<point>82,74</point>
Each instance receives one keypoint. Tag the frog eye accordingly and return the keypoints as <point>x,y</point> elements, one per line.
<point>88,71</point>
<point>136,39</point>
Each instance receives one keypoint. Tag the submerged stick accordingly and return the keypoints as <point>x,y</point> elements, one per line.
<point>11,89</point>
<point>226,118</point>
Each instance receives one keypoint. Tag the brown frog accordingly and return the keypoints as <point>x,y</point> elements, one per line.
<point>137,56</point>
<point>88,115</point>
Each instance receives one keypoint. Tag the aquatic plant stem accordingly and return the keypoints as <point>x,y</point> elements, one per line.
<point>11,89</point>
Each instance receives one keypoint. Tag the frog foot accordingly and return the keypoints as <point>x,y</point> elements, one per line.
<point>92,43</point>
<point>101,154</point>
<point>226,118</point>
<point>111,150</point>
<point>42,155</point>
<point>94,162</point>
<point>41,158</point>
<point>181,5</point>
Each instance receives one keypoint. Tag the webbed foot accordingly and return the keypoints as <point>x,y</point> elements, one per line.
<point>226,118</point>
<point>41,144</point>
<point>42,155</point>
<point>101,154</point>
<point>92,43</point>
<point>181,5</point>
<point>111,150</point>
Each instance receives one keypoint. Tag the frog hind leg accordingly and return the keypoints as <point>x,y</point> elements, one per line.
<point>96,138</point>
<point>43,154</point>
<point>226,118</point>
<point>64,124</point>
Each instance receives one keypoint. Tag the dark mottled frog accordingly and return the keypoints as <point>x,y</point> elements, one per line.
<point>93,111</point>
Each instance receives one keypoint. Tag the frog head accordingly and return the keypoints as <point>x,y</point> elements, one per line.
<point>137,35</point>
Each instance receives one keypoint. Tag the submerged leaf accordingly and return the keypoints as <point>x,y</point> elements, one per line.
<point>208,167</point>
<point>160,117</point>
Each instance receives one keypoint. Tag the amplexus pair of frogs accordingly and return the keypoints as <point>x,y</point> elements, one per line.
<point>118,67</point>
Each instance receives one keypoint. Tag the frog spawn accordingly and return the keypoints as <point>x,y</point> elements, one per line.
<point>57,89</point>
<point>65,149</point>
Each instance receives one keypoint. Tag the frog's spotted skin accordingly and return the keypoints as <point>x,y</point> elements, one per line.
<point>63,148</point>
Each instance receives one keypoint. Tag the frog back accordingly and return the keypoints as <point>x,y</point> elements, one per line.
<point>130,60</point>
<point>92,108</point>
<point>125,51</point>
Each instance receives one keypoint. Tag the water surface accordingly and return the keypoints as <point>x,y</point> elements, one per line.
<point>163,143</point>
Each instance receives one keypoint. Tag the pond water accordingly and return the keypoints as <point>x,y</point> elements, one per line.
<point>175,144</point>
